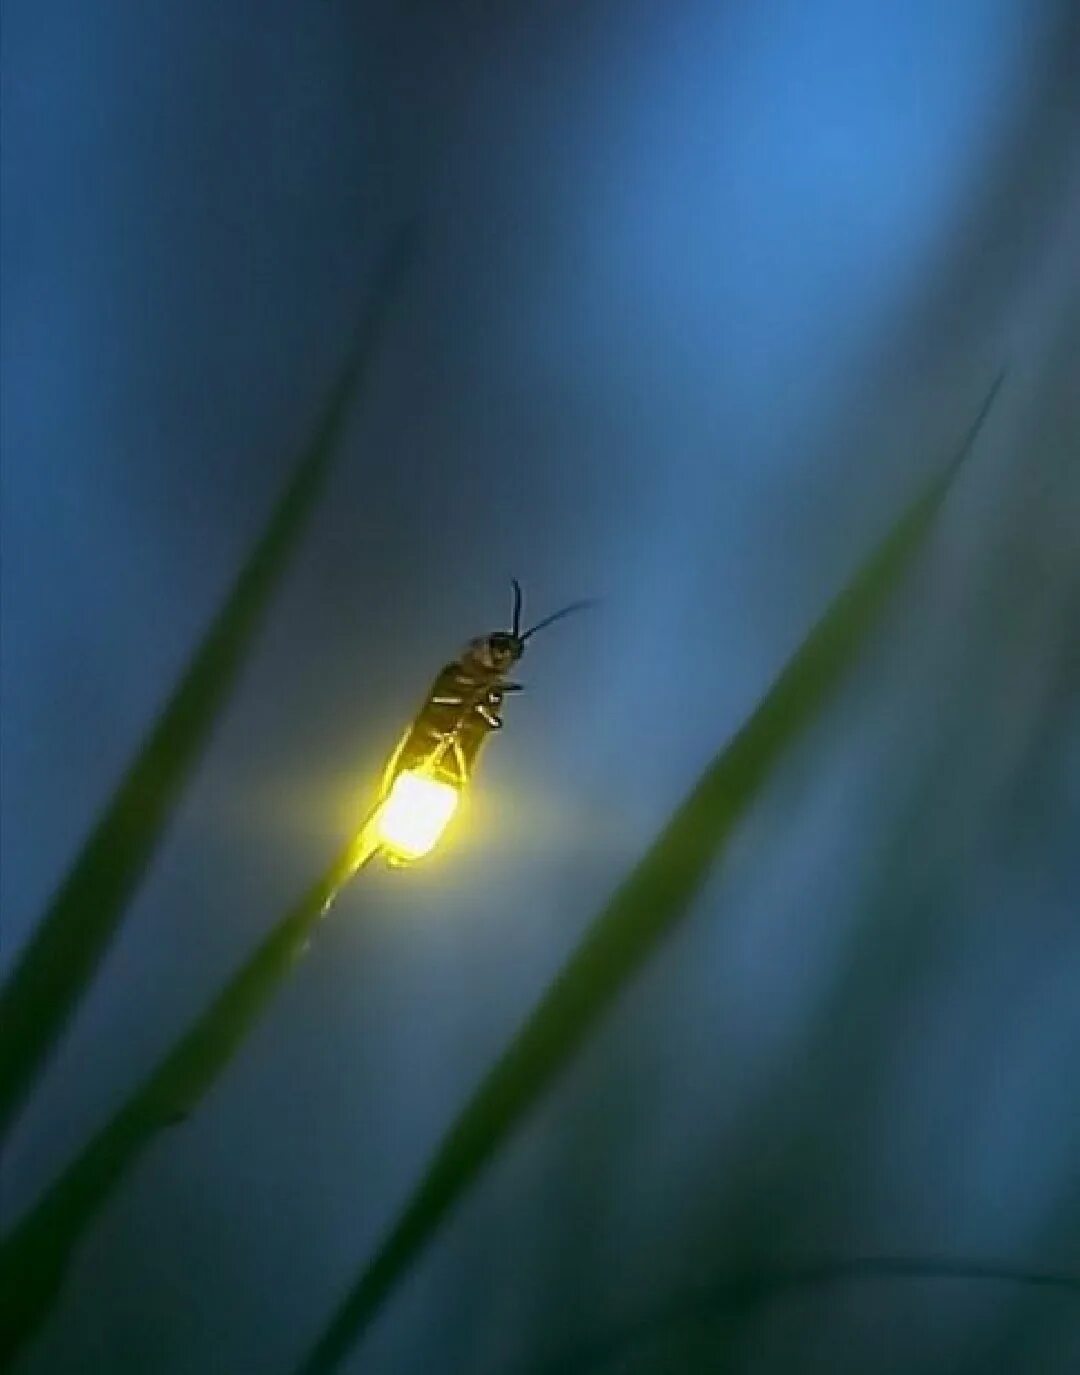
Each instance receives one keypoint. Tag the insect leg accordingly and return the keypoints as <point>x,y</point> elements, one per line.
<point>392,766</point>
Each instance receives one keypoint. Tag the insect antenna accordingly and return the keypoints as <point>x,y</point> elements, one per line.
<point>516,625</point>
<point>558,615</point>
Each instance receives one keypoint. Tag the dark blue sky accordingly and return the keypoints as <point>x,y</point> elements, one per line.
<point>707,290</point>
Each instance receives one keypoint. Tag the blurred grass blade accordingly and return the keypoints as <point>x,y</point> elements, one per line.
<point>34,1257</point>
<point>644,909</point>
<point>58,963</point>
<point>746,1292</point>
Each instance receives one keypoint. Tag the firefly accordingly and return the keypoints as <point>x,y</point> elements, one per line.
<point>435,758</point>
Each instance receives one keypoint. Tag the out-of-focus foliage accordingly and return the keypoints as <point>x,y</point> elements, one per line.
<point>35,1256</point>
<point>62,956</point>
<point>647,905</point>
<point>59,961</point>
<point>712,285</point>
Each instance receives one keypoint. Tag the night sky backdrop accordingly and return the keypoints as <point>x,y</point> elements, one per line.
<point>706,291</point>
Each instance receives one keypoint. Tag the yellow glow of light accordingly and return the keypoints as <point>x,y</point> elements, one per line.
<point>414,816</point>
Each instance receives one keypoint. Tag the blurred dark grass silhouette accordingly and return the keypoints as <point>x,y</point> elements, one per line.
<point>712,288</point>
<point>60,960</point>
<point>653,898</point>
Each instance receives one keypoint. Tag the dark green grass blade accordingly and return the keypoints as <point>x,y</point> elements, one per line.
<point>59,961</point>
<point>34,1257</point>
<point>643,910</point>
<point>747,1292</point>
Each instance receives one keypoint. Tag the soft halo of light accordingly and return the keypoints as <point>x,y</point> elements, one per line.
<point>414,816</point>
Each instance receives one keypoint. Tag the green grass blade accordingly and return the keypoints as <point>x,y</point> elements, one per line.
<point>747,1292</point>
<point>60,959</point>
<point>34,1257</point>
<point>643,910</point>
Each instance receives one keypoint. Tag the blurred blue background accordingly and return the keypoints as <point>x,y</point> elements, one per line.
<point>707,291</point>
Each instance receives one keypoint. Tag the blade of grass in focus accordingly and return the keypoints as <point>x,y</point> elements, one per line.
<point>61,957</point>
<point>35,1256</point>
<point>655,896</point>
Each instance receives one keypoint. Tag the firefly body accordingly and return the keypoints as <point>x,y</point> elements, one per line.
<point>463,706</point>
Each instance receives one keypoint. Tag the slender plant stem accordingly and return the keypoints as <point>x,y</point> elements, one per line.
<point>61,957</point>
<point>34,1257</point>
<point>742,1293</point>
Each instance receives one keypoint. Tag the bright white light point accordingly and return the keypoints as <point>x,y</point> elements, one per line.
<point>414,816</point>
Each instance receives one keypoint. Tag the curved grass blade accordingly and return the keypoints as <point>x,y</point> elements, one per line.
<point>746,1292</point>
<point>34,1258</point>
<point>61,957</point>
<point>655,896</point>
